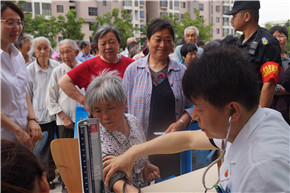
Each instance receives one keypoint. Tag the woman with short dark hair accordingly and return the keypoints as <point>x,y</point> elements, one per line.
<point>108,41</point>
<point>155,97</point>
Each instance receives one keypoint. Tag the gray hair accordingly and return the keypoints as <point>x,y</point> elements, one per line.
<point>31,51</point>
<point>106,86</point>
<point>105,29</point>
<point>191,27</point>
<point>22,39</point>
<point>67,41</point>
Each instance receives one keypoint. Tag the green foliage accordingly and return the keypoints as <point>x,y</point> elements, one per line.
<point>179,26</point>
<point>70,28</point>
<point>123,24</point>
<point>40,26</point>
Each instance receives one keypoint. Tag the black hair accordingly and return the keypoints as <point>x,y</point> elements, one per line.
<point>229,40</point>
<point>280,29</point>
<point>221,76</point>
<point>186,48</point>
<point>83,44</point>
<point>13,6</point>
<point>19,168</point>
<point>212,45</point>
<point>158,25</point>
<point>200,43</point>
<point>131,45</point>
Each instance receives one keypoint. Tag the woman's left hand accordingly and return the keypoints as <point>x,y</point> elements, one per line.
<point>151,172</point>
<point>176,126</point>
<point>34,131</point>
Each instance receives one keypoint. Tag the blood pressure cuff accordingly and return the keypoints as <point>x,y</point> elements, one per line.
<point>270,70</point>
<point>121,176</point>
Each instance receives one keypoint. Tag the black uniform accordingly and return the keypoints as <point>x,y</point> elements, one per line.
<point>265,49</point>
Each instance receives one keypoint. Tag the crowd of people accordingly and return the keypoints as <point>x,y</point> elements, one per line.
<point>140,94</point>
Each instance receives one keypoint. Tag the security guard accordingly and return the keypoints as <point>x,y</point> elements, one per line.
<point>259,45</point>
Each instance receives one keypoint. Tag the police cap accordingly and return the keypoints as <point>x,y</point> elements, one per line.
<point>242,5</point>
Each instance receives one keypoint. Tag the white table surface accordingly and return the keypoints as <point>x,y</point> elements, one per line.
<point>190,182</point>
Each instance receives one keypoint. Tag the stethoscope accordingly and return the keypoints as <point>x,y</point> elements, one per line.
<point>223,151</point>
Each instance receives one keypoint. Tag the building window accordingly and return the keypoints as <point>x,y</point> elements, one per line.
<point>225,32</point>
<point>141,2</point>
<point>202,17</point>
<point>91,26</point>
<point>115,0</point>
<point>127,3</point>
<point>136,3</point>
<point>176,5</point>
<point>104,2</point>
<point>217,8</point>
<point>72,7</point>
<point>46,9</point>
<point>217,19</point>
<point>37,8</point>
<point>226,9</point>
<point>142,15</point>
<point>201,7</point>
<point>27,7</point>
<point>59,8</point>
<point>226,21</point>
<point>182,5</point>
<point>217,31</point>
<point>170,5</point>
<point>163,4</point>
<point>164,13</point>
<point>93,11</point>
<point>182,16</point>
<point>142,26</point>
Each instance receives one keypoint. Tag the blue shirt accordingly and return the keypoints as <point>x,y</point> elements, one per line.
<point>81,57</point>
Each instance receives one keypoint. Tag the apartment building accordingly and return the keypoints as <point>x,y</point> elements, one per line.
<point>141,11</point>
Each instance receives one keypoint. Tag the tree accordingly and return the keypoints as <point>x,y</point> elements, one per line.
<point>40,26</point>
<point>179,26</point>
<point>123,24</point>
<point>70,27</point>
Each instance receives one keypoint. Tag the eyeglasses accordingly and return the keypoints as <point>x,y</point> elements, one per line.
<point>11,23</point>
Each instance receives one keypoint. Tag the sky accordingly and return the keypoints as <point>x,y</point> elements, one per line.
<point>274,10</point>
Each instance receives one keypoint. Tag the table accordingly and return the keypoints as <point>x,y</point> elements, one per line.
<point>190,182</point>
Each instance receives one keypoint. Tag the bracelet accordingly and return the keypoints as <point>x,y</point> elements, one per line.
<point>182,122</point>
<point>32,119</point>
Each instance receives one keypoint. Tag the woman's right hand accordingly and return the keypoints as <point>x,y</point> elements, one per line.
<point>23,137</point>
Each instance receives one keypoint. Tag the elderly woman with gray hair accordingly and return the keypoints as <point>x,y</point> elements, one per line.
<point>108,40</point>
<point>39,72</point>
<point>58,103</point>
<point>106,99</point>
<point>23,44</point>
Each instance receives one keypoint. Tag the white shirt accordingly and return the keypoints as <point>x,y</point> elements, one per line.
<point>56,99</point>
<point>259,158</point>
<point>14,79</point>
<point>37,87</point>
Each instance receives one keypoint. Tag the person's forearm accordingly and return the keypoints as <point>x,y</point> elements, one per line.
<point>267,93</point>
<point>8,124</point>
<point>68,87</point>
<point>29,106</point>
<point>172,143</point>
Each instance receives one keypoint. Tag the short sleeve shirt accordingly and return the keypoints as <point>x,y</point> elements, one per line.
<point>83,74</point>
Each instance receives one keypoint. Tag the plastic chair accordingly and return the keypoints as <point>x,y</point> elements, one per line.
<point>81,114</point>
<point>65,153</point>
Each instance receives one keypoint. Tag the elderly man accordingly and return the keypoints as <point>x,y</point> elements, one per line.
<point>259,46</point>
<point>58,103</point>
<point>126,51</point>
<point>191,35</point>
<point>84,54</point>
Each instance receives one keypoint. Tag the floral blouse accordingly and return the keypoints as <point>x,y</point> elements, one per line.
<point>115,143</point>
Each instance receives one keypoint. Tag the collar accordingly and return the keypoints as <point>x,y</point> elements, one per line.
<point>38,69</point>
<point>250,39</point>
<point>242,138</point>
<point>173,65</point>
